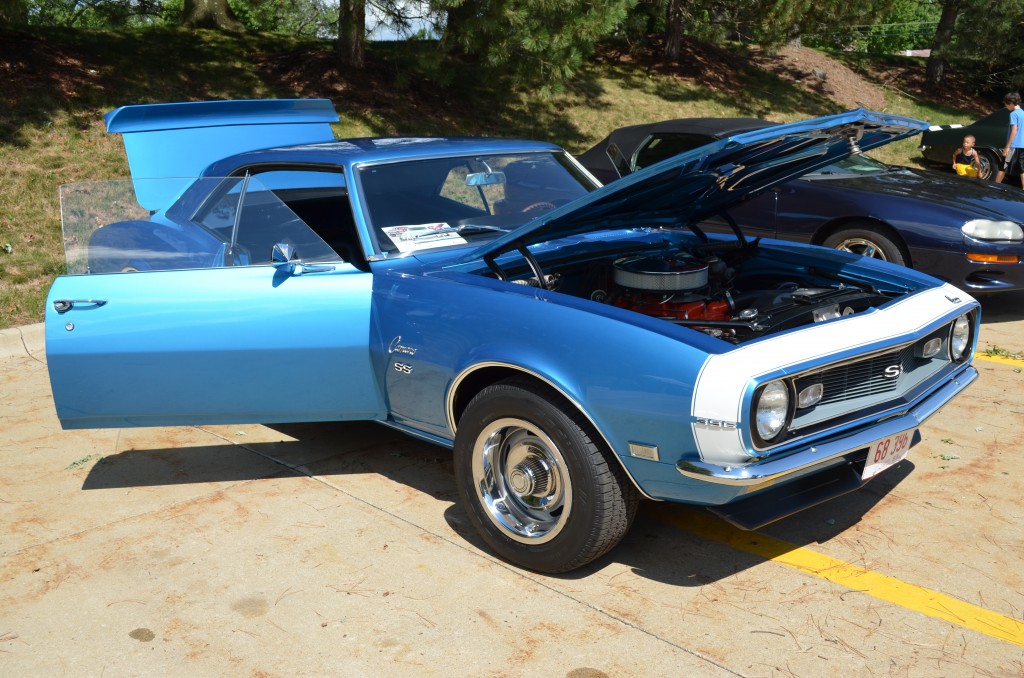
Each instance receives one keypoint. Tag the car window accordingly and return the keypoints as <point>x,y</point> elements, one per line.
<point>664,145</point>
<point>216,222</point>
<point>441,202</point>
<point>456,187</point>
<point>249,214</point>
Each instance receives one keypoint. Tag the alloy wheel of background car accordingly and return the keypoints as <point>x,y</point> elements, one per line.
<point>989,164</point>
<point>536,487</point>
<point>868,242</point>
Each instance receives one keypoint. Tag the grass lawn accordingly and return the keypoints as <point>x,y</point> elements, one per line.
<point>55,86</point>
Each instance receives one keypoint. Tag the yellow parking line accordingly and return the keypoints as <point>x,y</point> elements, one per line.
<point>883,587</point>
<point>1016,362</point>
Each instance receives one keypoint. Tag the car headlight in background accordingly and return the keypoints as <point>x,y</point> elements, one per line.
<point>960,338</point>
<point>771,410</point>
<point>988,229</point>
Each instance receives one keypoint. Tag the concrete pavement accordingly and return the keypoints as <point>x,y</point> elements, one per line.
<point>314,550</point>
<point>337,550</point>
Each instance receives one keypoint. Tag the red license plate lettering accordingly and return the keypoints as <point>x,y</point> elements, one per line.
<point>887,452</point>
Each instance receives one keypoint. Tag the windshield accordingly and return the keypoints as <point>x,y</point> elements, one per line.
<point>440,202</point>
<point>855,164</point>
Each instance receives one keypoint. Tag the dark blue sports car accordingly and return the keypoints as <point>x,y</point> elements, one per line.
<point>578,347</point>
<point>965,231</point>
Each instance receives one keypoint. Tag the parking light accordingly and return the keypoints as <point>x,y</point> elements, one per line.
<point>993,258</point>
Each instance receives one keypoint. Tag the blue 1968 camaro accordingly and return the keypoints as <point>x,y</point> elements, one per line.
<point>578,347</point>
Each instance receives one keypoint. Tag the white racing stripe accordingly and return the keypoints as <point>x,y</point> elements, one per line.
<point>724,378</point>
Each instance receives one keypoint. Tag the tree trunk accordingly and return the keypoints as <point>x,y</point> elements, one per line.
<point>673,29</point>
<point>214,14</point>
<point>13,12</point>
<point>935,69</point>
<point>352,33</point>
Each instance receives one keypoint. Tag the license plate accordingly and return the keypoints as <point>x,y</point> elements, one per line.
<point>887,452</point>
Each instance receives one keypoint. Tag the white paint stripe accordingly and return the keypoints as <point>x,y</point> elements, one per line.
<point>724,377</point>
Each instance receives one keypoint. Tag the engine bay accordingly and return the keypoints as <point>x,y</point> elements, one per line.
<point>734,293</point>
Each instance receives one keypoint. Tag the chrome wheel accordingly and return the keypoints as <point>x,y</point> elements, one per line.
<point>521,481</point>
<point>869,241</point>
<point>537,485</point>
<point>863,247</point>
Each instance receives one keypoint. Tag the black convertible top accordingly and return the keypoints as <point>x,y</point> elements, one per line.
<point>628,139</point>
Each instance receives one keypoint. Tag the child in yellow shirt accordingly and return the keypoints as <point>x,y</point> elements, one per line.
<point>965,159</point>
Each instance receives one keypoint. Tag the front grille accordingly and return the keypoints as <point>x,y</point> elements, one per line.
<point>861,385</point>
<point>872,376</point>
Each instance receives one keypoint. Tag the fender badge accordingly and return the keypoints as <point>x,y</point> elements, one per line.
<point>716,424</point>
<point>396,347</point>
<point>953,300</point>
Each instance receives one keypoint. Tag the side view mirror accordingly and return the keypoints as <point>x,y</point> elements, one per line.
<point>285,258</point>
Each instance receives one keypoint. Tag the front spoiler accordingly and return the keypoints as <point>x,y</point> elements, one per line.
<point>770,476</point>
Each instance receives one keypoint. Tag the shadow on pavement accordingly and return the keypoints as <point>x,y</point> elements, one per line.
<point>659,547</point>
<point>1002,308</point>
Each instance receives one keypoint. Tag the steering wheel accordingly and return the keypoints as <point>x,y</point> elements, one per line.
<point>539,205</point>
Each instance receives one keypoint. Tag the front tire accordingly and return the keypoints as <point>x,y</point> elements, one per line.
<point>537,487</point>
<point>869,242</point>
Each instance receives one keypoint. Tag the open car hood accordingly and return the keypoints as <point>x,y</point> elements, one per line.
<point>693,186</point>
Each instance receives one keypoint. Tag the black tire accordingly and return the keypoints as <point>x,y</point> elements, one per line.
<point>869,242</point>
<point>536,486</point>
<point>989,164</point>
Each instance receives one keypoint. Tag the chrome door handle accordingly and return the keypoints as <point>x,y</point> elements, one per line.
<point>65,305</point>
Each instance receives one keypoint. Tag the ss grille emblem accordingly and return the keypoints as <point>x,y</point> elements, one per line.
<point>893,371</point>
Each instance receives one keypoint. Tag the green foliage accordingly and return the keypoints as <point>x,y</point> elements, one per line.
<point>850,24</point>
<point>299,18</point>
<point>909,24</point>
<point>529,42</point>
<point>95,14</point>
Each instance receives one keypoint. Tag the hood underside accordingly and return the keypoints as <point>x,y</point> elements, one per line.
<point>698,184</point>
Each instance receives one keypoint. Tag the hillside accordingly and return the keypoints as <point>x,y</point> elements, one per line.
<point>55,86</point>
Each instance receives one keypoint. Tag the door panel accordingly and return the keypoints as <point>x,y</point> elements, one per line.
<point>212,346</point>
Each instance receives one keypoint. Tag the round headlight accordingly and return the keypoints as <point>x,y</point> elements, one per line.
<point>959,338</point>
<point>988,229</point>
<point>772,410</point>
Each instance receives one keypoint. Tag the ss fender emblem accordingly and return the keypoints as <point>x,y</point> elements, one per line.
<point>893,371</point>
<point>403,368</point>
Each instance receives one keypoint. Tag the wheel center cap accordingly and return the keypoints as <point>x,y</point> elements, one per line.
<point>529,477</point>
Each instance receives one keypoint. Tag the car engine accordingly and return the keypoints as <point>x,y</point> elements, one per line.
<point>709,295</point>
<point>733,295</point>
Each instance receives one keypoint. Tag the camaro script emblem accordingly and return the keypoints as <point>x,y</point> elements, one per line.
<point>396,347</point>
